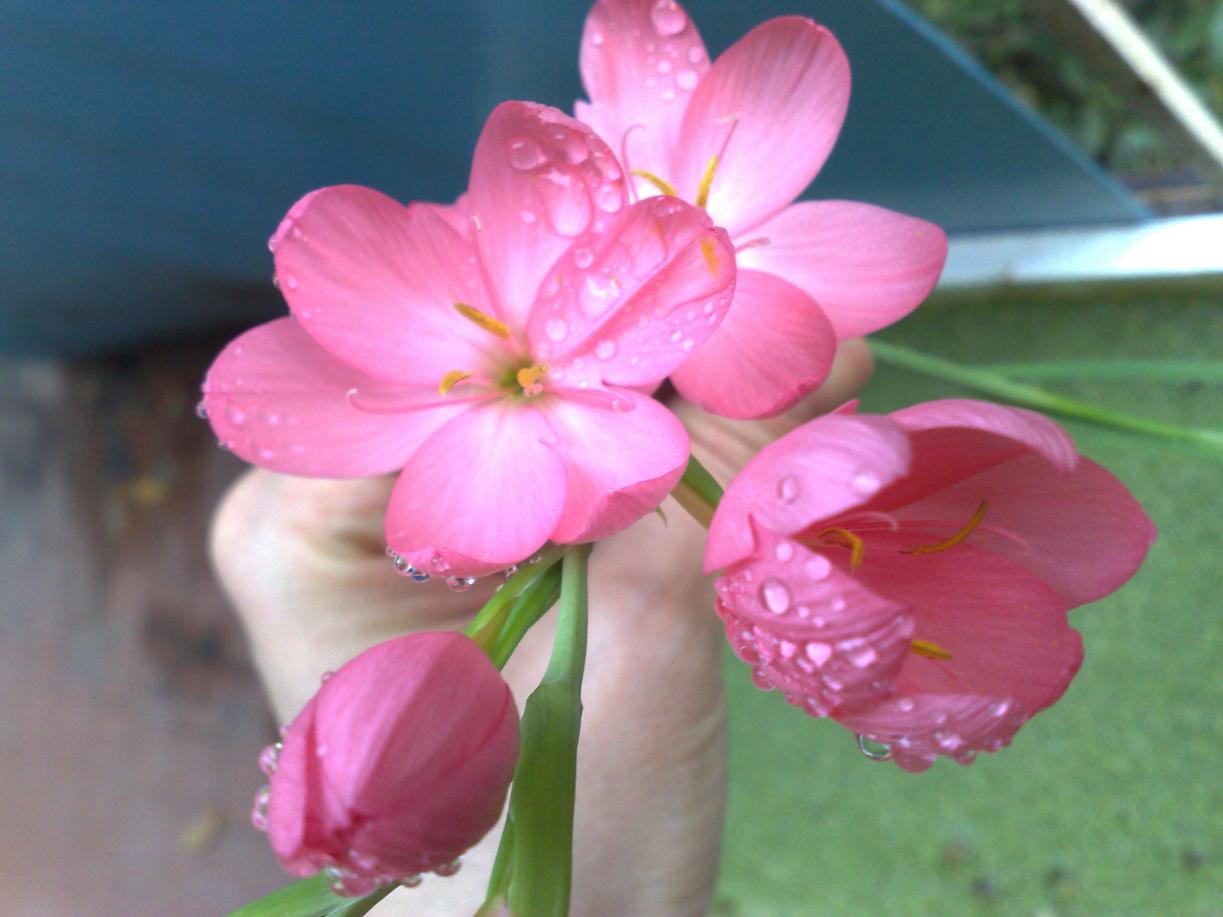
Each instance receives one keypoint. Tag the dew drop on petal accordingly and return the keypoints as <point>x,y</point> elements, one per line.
<point>775,596</point>
<point>668,18</point>
<point>688,345</point>
<point>865,482</point>
<point>876,751</point>
<point>1000,709</point>
<point>269,758</point>
<point>906,704</point>
<point>818,567</point>
<point>784,551</point>
<point>696,54</point>
<point>605,349</point>
<point>609,199</point>
<point>687,80</point>
<point>556,328</point>
<point>259,808</point>
<point>787,489</point>
<point>818,652</point>
<point>235,415</point>
<point>583,257</point>
<point>201,410</point>
<point>597,39</point>
<point>863,657</point>
<point>449,869</point>
<point>525,154</point>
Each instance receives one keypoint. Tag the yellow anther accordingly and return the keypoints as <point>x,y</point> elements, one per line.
<point>487,322</point>
<point>929,649</point>
<point>846,539</point>
<point>710,253</point>
<point>451,379</point>
<point>529,376</point>
<point>702,192</point>
<point>660,183</point>
<point>954,539</point>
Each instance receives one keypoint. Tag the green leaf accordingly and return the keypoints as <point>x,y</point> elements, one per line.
<point>308,898</point>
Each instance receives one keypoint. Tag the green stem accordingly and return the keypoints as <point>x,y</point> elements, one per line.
<point>485,629</point>
<point>1000,386</point>
<point>1155,370</point>
<point>698,492</point>
<point>541,802</point>
<point>531,605</point>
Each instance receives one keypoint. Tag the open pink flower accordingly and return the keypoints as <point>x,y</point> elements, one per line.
<point>742,138</point>
<point>909,575</point>
<point>496,351</point>
<point>397,765</point>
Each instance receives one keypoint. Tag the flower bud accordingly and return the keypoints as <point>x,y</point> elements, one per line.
<point>396,766</point>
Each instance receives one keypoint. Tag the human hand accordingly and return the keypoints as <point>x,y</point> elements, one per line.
<point>304,563</point>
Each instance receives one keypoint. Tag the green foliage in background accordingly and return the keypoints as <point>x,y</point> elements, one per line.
<point>1010,38</point>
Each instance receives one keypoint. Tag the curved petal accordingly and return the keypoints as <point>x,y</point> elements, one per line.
<point>620,462</point>
<point>955,438</point>
<point>640,60</point>
<point>483,492</point>
<point>810,629</point>
<point>774,347</point>
<point>375,283</point>
<point>824,468</point>
<point>770,109</point>
<point>278,400</point>
<point>867,267</point>
<point>634,302</point>
<point>539,180</point>
<point>1082,533</point>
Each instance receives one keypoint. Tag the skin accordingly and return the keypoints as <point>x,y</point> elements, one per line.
<point>303,562</point>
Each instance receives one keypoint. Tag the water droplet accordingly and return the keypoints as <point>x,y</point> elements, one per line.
<point>664,66</point>
<point>609,199</point>
<point>528,216</point>
<point>788,489</point>
<point>865,482</point>
<point>269,758</point>
<point>460,583</point>
<point>688,344</point>
<point>876,751</point>
<point>259,808</point>
<point>597,39</point>
<point>418,576</point>
<point>696,54</point>
<point>1000,709</point>
<point>947,741</point>
<point>775,596</point>
<point>605,349</point>
<point>761,679</point>
<point>556,328</point>
<point>290,282</point>
<point>818,567</point>
<point>837,603</point>
<point>439,564</point>
<point>525,154</point>
<point>326,676</point>
<point>818,652</point>
<point>787,649</point>
<point>687,80</point>
<point>266,454</point>
<point>906,704</point>
<point>201,410</point>
<point>864,657</point>
<point>784,551</point>
<point>583,257</point>
<point>235,415</point>
<point>668,18</point>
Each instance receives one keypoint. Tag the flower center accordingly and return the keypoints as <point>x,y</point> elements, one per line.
<point>521,377</point>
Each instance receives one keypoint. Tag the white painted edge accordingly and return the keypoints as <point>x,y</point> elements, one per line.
<point>1179,247</point>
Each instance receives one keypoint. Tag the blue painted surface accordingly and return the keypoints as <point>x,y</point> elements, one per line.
<point>148,149</point>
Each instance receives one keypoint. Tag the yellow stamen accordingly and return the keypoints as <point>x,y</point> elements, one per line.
<point>929,649</point>
<point>487,322</point>
<point>451,379</point>
<point>846,539</point>
<point>661,184</point>
<point>702,192</point>
<point>710,252</point>
<point>954,539</point>
<point>528,377</point>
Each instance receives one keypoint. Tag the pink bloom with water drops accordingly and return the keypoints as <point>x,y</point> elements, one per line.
<point>496,352</point>
<point>909,575</point>
<point>742,137</point>
<point>396,766</point>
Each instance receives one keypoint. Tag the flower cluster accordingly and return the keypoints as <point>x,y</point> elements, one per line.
<point>907,575</point>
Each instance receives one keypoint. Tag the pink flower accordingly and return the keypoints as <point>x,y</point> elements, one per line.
<point>910,575</point>
<point>742,138</point>
<point>397,765</point>
<point>495,351</point>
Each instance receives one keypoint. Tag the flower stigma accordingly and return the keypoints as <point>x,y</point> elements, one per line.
<point>955,539</point>
<point>483,320</point>
<point>929,650</point>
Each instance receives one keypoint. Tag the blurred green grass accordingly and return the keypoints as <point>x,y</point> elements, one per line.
<point>1109,803</point>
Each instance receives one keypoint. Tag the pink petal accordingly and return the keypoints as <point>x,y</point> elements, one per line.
<point>1081,532</point>
<point>375,283</point>
<point>293,828</point>
<point>538,181</point>
<point>770,108</point>
<point>822,469</point>
<point>810,629</point>
<point>485,491</point>
<point>956,438</point>
<point>631,304</point>
<point>774,347</point>
<point>278,400</point>
<point>620,463</point>
<point>640,60</point>
<point>867,267</point>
